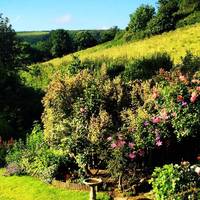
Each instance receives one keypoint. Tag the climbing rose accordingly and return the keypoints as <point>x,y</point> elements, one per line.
<point>141,152</point>
<point>120,143</point>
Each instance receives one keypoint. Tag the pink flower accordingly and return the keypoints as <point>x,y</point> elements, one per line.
<point>198,88</point>
<point>180,98</point>
<point>132,155</point>
<point>159,143</point>
<point>141,152</point>
<point>131,145</point>
<point>193,97</point>
<point>109,138</point>
<point>120,143</point>
<point>156,120</point>
<point>113,145</point>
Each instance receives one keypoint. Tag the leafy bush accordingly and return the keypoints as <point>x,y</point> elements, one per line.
<point>147,67</point>
<point>176,182</point>
<point>35,157</point>
<point>189,20</point>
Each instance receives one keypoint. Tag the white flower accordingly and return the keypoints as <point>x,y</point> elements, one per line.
<point>197,170</point>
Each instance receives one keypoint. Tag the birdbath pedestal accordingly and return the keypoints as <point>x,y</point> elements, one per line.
<point>92,183</point>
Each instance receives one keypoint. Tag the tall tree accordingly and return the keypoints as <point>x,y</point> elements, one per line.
<point>8,45</point>
<point>61,43</point>
<point>140,18</point>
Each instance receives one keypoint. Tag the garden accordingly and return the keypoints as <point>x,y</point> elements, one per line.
<point>135,135</point>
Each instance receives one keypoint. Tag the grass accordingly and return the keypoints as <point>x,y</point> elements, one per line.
<point>32,33</point>
<point>175,43</point>
<point>29,188</point>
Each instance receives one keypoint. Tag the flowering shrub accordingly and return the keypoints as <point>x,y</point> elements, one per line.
<point>176,182</point>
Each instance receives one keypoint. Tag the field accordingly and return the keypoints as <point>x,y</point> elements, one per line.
<point>33,37</point>
<point>28,188</point>
<point>175,43</point>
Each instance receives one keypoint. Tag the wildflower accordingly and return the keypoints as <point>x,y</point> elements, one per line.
<point>193,97</point>
<point>1,141</point>
<point>159,143</point>
<point>113,145</point>
<point>132,155</point>
<point>131,144</point>
<point>156,120</point>
<point>180,98</point>
<point>109,138</point>
<point>184,104</point>
<point>146,123</point>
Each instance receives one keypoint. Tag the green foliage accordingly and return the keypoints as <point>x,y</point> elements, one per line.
<point>175,182</point>
<point>35,157</point>
<point>60,42</point>
<point>84,40</point>
<point>189,20</point>
<point>140,18</point>
<point>145,68</point>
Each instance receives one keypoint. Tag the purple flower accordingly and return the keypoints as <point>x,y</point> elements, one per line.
<point>184,103</point>
<point>132,155</point>
<point>146,123</point>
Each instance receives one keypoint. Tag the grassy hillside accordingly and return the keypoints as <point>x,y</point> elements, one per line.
<point>175,43</point>
<point>33,37</point>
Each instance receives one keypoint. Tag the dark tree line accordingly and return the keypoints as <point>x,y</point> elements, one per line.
<point>145,21</point>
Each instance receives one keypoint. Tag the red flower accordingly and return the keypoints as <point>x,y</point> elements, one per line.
<point>180,98</point>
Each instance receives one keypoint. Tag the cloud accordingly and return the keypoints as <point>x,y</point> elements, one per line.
<point>65,19</point>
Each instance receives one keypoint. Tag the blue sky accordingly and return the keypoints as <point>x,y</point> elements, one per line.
<point>33,15</point>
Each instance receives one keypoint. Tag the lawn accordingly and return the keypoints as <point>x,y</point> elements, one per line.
<point>29,188</point>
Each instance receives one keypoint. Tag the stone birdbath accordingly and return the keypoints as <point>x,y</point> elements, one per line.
<point>92,183</point>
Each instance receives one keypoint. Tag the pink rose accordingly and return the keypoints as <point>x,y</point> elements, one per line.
<point>198,88</point>
<point>159,143</point>
<point>141,152</point>
<point>120,143</point>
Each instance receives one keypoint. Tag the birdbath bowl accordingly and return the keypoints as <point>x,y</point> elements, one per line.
<point>92,183</point>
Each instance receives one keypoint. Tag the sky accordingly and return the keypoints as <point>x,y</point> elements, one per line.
<point>38,15</point>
